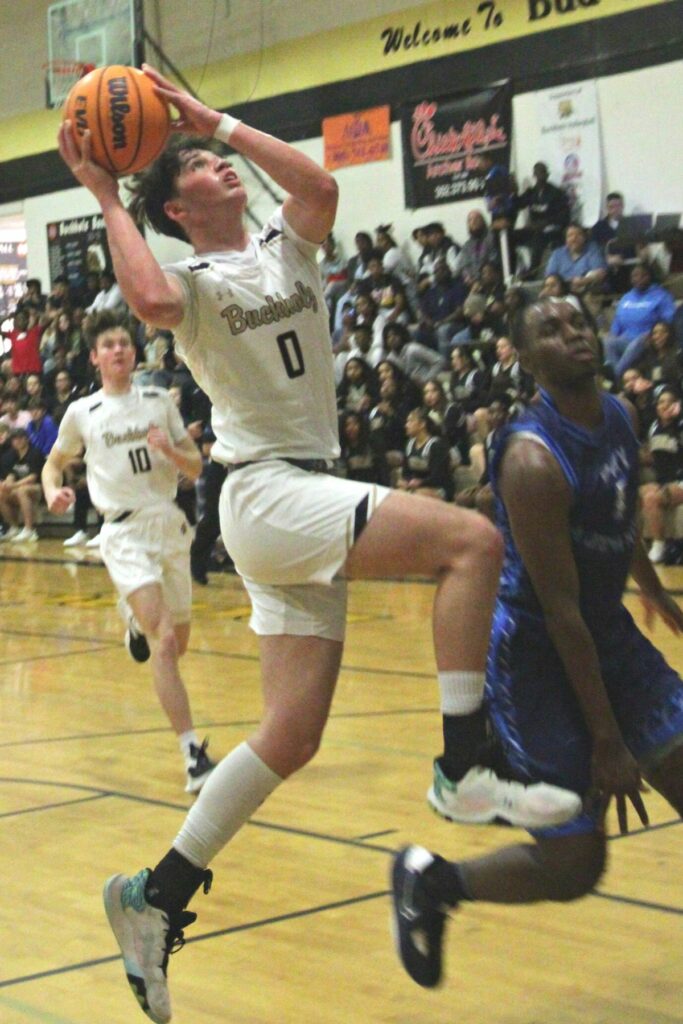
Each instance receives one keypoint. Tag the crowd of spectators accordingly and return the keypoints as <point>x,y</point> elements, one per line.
<point>425,364</point>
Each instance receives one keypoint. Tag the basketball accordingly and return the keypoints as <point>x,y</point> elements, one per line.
<point>128,122</point>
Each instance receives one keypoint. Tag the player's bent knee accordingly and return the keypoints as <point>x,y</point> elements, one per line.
<point>574,873</point>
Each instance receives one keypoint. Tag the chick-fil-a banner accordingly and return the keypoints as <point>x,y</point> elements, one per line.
<point>444,138</point>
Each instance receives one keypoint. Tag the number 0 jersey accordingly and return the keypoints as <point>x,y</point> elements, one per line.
<point>256,338</point>
<point>123,472</point>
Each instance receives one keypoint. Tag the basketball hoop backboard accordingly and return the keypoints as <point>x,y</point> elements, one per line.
<point>86,34</point>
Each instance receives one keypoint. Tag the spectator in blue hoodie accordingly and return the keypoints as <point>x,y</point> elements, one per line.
<point>42,430</point>
<point>646,304</point>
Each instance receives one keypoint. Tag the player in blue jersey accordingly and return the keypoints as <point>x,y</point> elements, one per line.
<point>579,697</point>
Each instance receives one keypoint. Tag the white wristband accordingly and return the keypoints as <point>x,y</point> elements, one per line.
<point>226,127</point>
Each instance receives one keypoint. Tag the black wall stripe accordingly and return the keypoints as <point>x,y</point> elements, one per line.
<point>594,49</point>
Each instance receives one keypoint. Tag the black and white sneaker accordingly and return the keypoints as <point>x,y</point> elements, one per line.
<point>199,767</point>
<point>418,919</point>
<point>136,644</point>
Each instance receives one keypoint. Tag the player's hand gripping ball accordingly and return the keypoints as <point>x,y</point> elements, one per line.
<point>129,124</point>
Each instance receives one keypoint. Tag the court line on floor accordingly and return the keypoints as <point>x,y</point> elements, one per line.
<point>201,726</point>
<point>642,904</point>
<point>50,807</point>
<point>292,915</point>
<point>53,655</point>
<point>32,1012</point>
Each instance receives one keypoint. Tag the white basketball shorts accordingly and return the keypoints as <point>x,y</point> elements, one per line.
<point>289,533</point>
<point>151,546</point>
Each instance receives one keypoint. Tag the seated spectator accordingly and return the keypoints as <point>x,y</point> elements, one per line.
<point>441,310</point>
<point>636,314</point>
<point>58,299</point>
<point>555,287</point>
<point>367,312</point>
<point>20,491</point>
<point>669,260</point>
<point>333,273</point>
<point>418,362</point>
<point>483,308</point>
<point>580,263</point>
<point>89,290</point>
<point>33,300</point>
<point>358,345</point>
<point>507,376</point>
<point>440,246</point>
<point>422,275</point>
<point>480,496</point>
<point>361,455</point>
<point>33,386</point>
<point>480,248</point>
<point>640,392</point>
<point>548,217</point>
<point>42,430</point>
<point>387,291</point>
<point>665,444</point>
<point>427,466</point>
<point>13,415</point>
<point>55,335</point>
<point>604,233</point>
<point>393,259</point>
<point>409,393</point>
<point>64,394</point>
<point>451,420</point>
<point>662,361</point>
<point>467,383</point>
<point>109,296</point>
<point>359,390</point>
<point>387,423</point>
<point>357,267</point>
<point>25,343</point>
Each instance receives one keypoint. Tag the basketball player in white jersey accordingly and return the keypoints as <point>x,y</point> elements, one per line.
<point>250,321</point>
<point>135,446</point>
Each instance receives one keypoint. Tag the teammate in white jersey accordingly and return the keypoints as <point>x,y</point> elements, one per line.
<point>250,321</point>
<point>135,446</point>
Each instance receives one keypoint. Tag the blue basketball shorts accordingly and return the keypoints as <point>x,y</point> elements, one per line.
<point>536,715</point>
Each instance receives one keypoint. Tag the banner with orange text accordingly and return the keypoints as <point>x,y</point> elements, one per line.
<point>358,138</point>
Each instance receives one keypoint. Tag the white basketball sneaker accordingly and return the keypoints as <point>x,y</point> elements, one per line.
<point>481,797</point>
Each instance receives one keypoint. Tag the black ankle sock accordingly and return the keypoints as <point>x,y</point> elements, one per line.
<point>174,881</point>
<point>463,735</point>
<point>443,881</point>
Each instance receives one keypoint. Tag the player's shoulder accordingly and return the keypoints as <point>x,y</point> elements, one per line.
<point>86,405</point>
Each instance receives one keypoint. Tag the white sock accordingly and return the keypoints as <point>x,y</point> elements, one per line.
<point>461,692</point>
<point>185,740</point>
<point>237,786</point>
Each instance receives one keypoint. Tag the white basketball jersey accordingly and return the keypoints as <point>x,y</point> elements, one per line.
<point>123,472</point>
<point>256,338</point>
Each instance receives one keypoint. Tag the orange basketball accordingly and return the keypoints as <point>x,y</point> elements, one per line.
<point>129,123</point>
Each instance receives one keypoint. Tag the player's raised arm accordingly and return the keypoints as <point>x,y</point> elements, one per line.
<point>152,295</point>
<point>311,204</point>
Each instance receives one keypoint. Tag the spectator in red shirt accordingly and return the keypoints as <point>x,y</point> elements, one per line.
<point>25,341</point>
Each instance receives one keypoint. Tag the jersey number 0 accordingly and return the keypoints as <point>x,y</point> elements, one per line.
<point>291,353</point>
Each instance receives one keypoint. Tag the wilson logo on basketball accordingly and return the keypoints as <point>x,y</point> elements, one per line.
<point>81,114</point>
<point>118,108</point>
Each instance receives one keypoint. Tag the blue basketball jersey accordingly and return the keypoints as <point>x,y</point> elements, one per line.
<point>601,468</point>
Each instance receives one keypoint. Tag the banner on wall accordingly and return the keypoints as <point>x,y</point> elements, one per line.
<point>13,274</point>
<point>358,138</point>
<point>569,126</point>
<point>444,138</point>
<point>77,246</point>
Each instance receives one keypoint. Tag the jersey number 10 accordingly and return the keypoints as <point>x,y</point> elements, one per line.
<point>140,460</point>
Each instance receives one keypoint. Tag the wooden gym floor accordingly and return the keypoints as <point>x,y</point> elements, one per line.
<point>295,930</point>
